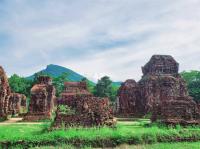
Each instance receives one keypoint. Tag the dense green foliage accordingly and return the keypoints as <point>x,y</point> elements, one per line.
<point>20,84</point>
<point>133,132</point>
<point>65,109</point>
<point>58,82</point>
<point>193,82</point>
<point>90,85</point>
<point>104,88</point>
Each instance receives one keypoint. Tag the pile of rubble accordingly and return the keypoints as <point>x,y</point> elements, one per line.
<point>83,108</point>
<point>162,92</point>
<point>42,100</point>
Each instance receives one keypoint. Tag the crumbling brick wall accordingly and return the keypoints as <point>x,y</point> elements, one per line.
<point>129,99</point>
<point>4,93</point>
<point>88,110</point>
<point>17,103</point>
<point>182,110</point>
<point>156,89</point>
<point>42,100</point>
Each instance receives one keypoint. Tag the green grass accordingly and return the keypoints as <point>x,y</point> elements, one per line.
<point>124,133</point>
<point>182,145</point>
<point>62,146</point>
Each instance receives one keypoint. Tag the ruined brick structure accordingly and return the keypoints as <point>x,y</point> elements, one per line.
<point>161,65</point>
<point>42,100</point>
<point>72,91</point>
<point>156,89</point>
<point>5,93</point>
<point>182,110</point>
<point>17,103</point>
<point>160,81</point>
<point>164,93</point>
<point>129,99</point>
<point>87,109</point>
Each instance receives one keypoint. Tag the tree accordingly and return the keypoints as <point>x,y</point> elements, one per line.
<point>192,79</point>
<point>58,82</point>
<point>104,88</point>
<point>90,85</point>
<point>20,85</point>
<point>113,96</point>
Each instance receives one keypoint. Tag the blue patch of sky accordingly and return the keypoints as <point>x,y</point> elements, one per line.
<point>5,39</point>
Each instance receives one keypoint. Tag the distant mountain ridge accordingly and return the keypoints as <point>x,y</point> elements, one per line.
<point>117,83</point>
<point>56,70</point>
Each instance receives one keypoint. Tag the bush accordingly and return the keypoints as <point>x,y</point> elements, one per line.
<point>65,109</point>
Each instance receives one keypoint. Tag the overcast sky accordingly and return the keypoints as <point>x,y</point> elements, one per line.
<point>97,37</point>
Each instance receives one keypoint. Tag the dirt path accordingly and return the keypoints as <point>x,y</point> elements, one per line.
<point>17,120</point>
<point>13,120</point>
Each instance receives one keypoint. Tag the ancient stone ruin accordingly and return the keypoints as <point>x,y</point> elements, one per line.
<point>17,104</point>
<point>161,65</point>
<point>5,93</point>
<point>42,100</point>
<point>160,81</point>
<point>163,93</point>
<point>181,110</point>
<point>129,99</point>
<point>78,107</point>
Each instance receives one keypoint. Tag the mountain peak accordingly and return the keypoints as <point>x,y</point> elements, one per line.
<point>55,66</point>
<point>56,70</point>
<point>51,65</point>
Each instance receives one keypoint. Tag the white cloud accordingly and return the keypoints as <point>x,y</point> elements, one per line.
<point>96,38</point>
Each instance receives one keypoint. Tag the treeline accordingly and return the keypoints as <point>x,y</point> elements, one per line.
<point>23,85</point>
<point>103,88</point>
<point>192,79</point>
<point>20,84</point>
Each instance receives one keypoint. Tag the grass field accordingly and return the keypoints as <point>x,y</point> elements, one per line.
<point>135,132</point>
<point>180,145</point>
